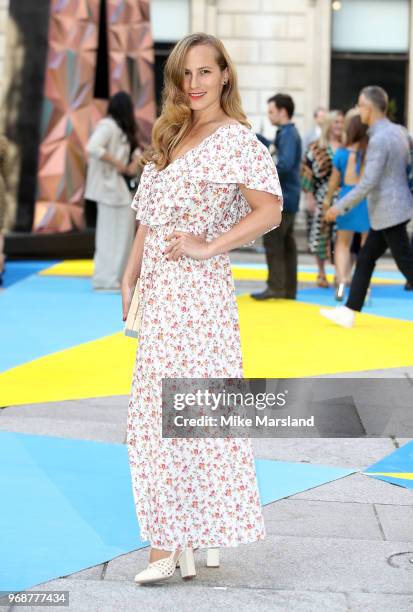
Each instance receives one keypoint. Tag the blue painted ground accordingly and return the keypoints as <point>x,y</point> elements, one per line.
<point>16,271</point>
<point>69,504</point>
<point>41,315</point>
<point>399,461</point>
<point>386,300</point>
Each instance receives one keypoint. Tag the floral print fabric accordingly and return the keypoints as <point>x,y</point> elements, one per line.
<point>193,492</point>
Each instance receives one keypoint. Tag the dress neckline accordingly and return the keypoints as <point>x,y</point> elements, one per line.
<point>203,141</point>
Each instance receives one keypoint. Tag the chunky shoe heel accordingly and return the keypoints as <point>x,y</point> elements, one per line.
<point>212,557</point>
<point>187,563</point>
<point>193,549</point>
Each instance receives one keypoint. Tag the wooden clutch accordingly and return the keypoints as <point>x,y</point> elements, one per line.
<point>133,319</point>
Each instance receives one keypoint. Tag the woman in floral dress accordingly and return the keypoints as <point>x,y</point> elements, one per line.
<point>208,186</point>
<point>316,170</point>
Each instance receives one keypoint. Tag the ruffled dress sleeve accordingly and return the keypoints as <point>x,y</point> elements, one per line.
<point>237,156</point>
<point>142,198</point>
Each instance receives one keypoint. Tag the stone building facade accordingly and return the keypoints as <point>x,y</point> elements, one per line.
<point>287,45</point>
<point>277,45</point>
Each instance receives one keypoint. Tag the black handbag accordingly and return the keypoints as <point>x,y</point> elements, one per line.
<point>131,181</point>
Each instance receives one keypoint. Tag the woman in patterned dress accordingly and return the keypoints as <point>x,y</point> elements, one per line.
<point>208,186</point>
<point>316,171</point>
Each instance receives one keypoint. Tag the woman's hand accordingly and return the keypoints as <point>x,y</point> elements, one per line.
<point>185,243</point>
<point>311,202</point>
<point>331,214</point>
<point>120,167</point>
<point>127,294</point>
<point>325,207</point>
<point>326,204</point>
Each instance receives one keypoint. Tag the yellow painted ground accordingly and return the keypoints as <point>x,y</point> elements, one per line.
<point>84,267</point>
<point>279,339</point>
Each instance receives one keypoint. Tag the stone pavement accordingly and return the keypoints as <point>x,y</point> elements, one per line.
<point>343,546</point>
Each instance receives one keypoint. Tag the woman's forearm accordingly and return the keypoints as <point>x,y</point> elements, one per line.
<point>255,224</point>
<point>333,185</point>
<point>120,167</point>
<point>133,267</point>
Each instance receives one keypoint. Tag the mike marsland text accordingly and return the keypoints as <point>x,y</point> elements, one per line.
<point>238,421</point>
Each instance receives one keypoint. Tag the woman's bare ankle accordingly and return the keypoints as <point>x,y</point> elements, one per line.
<point>157,553</point>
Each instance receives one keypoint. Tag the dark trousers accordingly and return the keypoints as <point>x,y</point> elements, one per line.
<point>281,255</point>
<point>397,240</point>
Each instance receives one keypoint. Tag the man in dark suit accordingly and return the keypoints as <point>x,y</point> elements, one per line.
<point>280,245</point>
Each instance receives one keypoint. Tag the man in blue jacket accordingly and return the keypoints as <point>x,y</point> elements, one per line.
<point>280,245</point>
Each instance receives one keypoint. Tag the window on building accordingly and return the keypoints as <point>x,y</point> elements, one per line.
<point>170,23</point>
<point>370,46</point>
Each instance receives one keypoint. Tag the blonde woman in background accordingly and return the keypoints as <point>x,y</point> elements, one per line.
<point>316,171</point>
<point>208,186</point>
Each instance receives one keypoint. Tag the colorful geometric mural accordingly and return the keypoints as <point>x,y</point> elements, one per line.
<point>70,111</point>
<point>131,58</point>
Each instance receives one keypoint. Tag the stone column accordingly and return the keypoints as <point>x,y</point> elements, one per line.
<point>4,13</point>
<point>276,46</point>
<point>409,92</point>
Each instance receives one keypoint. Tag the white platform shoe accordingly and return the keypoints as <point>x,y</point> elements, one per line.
<point>161,570</point>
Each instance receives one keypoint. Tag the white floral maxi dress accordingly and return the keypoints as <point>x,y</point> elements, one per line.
<point>193,492</point>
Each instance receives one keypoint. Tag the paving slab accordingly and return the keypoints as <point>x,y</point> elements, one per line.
<point>98,419</point>
<point>300,517</point>
<point>81,429</point>
<point>396,521</point>
<point>361,489</point>
<point>371,602</point>
<point>186,596</point>
<point>357,453</point>
<point>304,563</point>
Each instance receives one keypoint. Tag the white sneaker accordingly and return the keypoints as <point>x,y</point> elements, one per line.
<point>341,315</point>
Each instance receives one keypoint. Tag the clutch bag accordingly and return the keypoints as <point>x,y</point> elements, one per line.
<point>133,319</point>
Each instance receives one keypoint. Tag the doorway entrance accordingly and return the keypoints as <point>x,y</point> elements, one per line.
<point>350,72</point>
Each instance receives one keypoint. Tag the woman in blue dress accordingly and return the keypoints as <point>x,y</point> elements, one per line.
<point>348,165</point>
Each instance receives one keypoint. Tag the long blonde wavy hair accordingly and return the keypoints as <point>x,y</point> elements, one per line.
<point>175,120</point>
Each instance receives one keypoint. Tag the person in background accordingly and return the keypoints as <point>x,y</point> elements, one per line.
<point>348,165</point>
<point>314,132</point>
<point>390,202</point>
<point>4,183</point>
<point>113,157</point>
<point>280,246</point>
<point>310,136</point>
<point>315,174</point>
